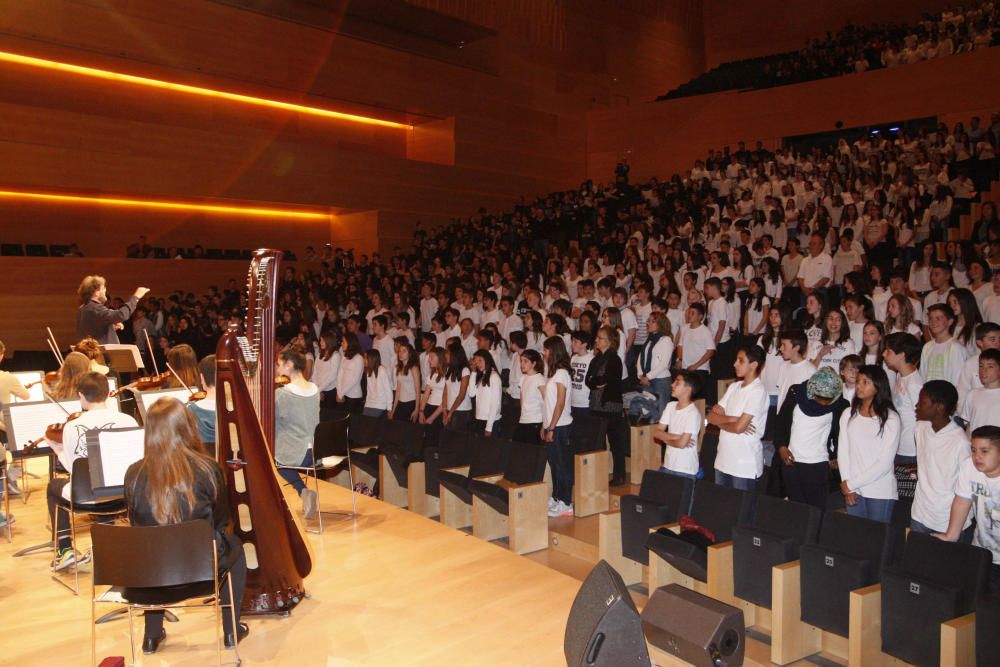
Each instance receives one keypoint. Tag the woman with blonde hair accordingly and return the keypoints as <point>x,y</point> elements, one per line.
<point>73,368</point>
<point>177,481</point>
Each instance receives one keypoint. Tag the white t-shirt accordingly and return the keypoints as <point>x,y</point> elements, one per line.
<point>837,352</point>
<point>642,314</point>
<point>942,361</point>
<point>324,373</point>
<point>75,436</point>
<point>487,399</point>
<point>694,344</point>
<point>551,396</point>
<point>428,309</point>
<point>741,454</point>
<point>687,420</point>
<point>984,492</point>
<point>773,363</point>
<point>939,456</point>
<point>982,408</point>
<point>436,384</point>
<point>813,269</point>
<point>792,374</point>
<point>514,378</point>
<point>454,388</point>
<point>905,394</point>
<point>532,405</point>
<point>809,436</point>
<point>580,363</point>
<point>407,387</point>
<point>378,393</point>
<point>867,457</point>
<point>718,311</point>
<point>387,352</point>
<point>349,376</point>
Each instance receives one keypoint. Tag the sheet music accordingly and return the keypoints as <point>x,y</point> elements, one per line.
<point>27,421</point>
<point>112,454</point>
<point>147,398</point>
<point>26,378</point>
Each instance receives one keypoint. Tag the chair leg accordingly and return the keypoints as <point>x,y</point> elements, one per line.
<point>232,616</point>
<point>131,633</point>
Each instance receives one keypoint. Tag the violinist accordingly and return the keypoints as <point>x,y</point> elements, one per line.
<point>184,363</point>
<point>92,350</point>
<point>97,321</point>
<point>74,366</point>
<point>92,390</point>
<point>202,403</point>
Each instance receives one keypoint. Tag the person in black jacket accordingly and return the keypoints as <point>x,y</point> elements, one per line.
<point>604,378</point>
<point>805,434</point>
<point>97,321</point>
<point>177,482</point>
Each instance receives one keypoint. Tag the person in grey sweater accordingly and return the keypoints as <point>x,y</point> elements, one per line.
<point>296,414</point>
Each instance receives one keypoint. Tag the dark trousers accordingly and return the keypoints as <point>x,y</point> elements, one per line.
<point>294,477</point>
<point>461,419</point>
<point>808,483</point>
<point>404,410</point>
<point>618,438</point>
<point>353,405</point>
<point>60,527</point>
<point>560,455</point>
<point>238,569</point>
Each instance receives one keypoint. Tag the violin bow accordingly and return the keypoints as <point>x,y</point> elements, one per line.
<point>55,346</point>
<point>152,354</point>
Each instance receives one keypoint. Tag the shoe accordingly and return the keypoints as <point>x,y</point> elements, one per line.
<point>6,520</point>
<point>552,503</point>
<point>150,644</point>
<point>12,489</point>
<point>564,509</point>
<point>242,631</point>
<point>618,480</point>
<point>555,509</point>
<point>68,558</point>
<point>308,503</point>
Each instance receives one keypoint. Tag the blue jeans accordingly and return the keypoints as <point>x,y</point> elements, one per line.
<point>660,387</point>
<point>560,455</point>
<point>580,412</point>
<point>731,482</point>
<point>876,509</point>
<point>293,477</point>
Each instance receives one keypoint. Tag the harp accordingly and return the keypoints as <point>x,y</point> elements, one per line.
<point>278,557</point>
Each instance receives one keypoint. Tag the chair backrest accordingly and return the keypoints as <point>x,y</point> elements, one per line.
<point>720,508</point>
<point>588,434</point>
<point>488,456</point>
<point>966,567</point>
<point>787,519</point>
<point>365,431</point>
<point>877,542</point>
<point>153,556</point>
<point>453,447</point>
<point>666,490</point>
<point>330,438</point>
<point>11,249</point>
<point>525,463</point>
<point>80,488</point>
<point>405,437</point>
<point>36,250</point>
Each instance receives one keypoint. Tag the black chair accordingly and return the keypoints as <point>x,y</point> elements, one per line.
<point>452,450</point>
<point>717,508</point>
<point>779,528</point>
<point>987,622</point>
<point>403,443</point>
<point>525,465</point>
<point>163,567</point>
<point>487,456</point>
<point>58,250</point>
<point>82,501</point>
<point>11,249</point>
<point>662,499</point>
<point>366,431</point>
<point>231,253</point>
<point>36,250</point>
<point>936,581</point>
<point>331,452</point>
<point>213,253</point>
<point>588,434</point>
<point>851,553</point>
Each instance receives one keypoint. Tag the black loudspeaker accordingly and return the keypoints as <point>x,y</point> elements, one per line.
<point>604,628</point>
<point>696,628</point>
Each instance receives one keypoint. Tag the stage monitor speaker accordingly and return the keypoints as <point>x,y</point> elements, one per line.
<point>696,628</point>
<point>604,628</point>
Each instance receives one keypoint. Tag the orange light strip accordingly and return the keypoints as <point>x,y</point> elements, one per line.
<point>19,59</point>
<point>176,206</point>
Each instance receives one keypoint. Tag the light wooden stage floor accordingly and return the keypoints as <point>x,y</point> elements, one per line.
<point>389,588</point>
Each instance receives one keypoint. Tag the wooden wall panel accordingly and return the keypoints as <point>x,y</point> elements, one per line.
<point>666,137</point>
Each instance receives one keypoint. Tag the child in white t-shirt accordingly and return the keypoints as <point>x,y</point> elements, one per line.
<point>679,427</point>
<point>741,416</point>
<point>981,405</point>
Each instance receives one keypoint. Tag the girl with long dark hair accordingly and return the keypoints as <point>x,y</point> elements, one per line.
<point>556,421</point>
<point>456,400</point>
<point>869,437</point>
<point>487,388</point>
<point>404,400</point>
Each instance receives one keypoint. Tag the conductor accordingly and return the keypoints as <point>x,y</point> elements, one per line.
<point>96,320</point>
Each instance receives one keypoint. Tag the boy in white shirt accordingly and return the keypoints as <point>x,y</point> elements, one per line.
<point>978,488</point>
<point>741,416</point>
<point>696,347</point>
<point>987,338</point>
<point>943,356</point>
<point>902,353</point>
<point>942,447</point>
<point>679,427</point>
<point>982,406</point>
<point>796,369</point>
<point>580,364</point>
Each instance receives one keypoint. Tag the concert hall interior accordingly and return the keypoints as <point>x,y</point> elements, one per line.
<point>504,332</point>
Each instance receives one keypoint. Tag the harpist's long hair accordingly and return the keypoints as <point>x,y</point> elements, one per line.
<point>174,455</point>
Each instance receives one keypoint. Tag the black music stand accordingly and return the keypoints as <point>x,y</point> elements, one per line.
<point>123,358</point>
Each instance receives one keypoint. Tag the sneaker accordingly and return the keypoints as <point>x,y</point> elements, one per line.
<point>552,503</point>
<point>308,503</point>
<point>564,509</point>
<point>68,558</point>
<point>12,488</point>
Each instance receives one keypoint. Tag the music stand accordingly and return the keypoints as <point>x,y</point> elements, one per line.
<point>145,399</point>
<point>123,358</point>
<point>110,452</point>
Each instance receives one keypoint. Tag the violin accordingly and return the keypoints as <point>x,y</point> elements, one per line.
<point>51,377</point>
<point>53,433</point>
<point>197,396</point>
<point>281,380</point>
<point>145,383</point>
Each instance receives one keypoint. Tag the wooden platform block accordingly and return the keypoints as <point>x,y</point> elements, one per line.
<point>529,518</point>
<point>609,547</point>
<point>590,483</point>
<point>417,498</point>
<point>390,490</point>
<point>454,512</point>
<point>958,642</point>
<point>644,452</point>
<point>487,523</point>
<point>791,639</point>
<point>865,633</point>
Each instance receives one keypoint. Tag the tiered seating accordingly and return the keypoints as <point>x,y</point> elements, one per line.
<point>514,505</point>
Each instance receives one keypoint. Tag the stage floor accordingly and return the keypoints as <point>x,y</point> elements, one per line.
<point>389,588</point>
